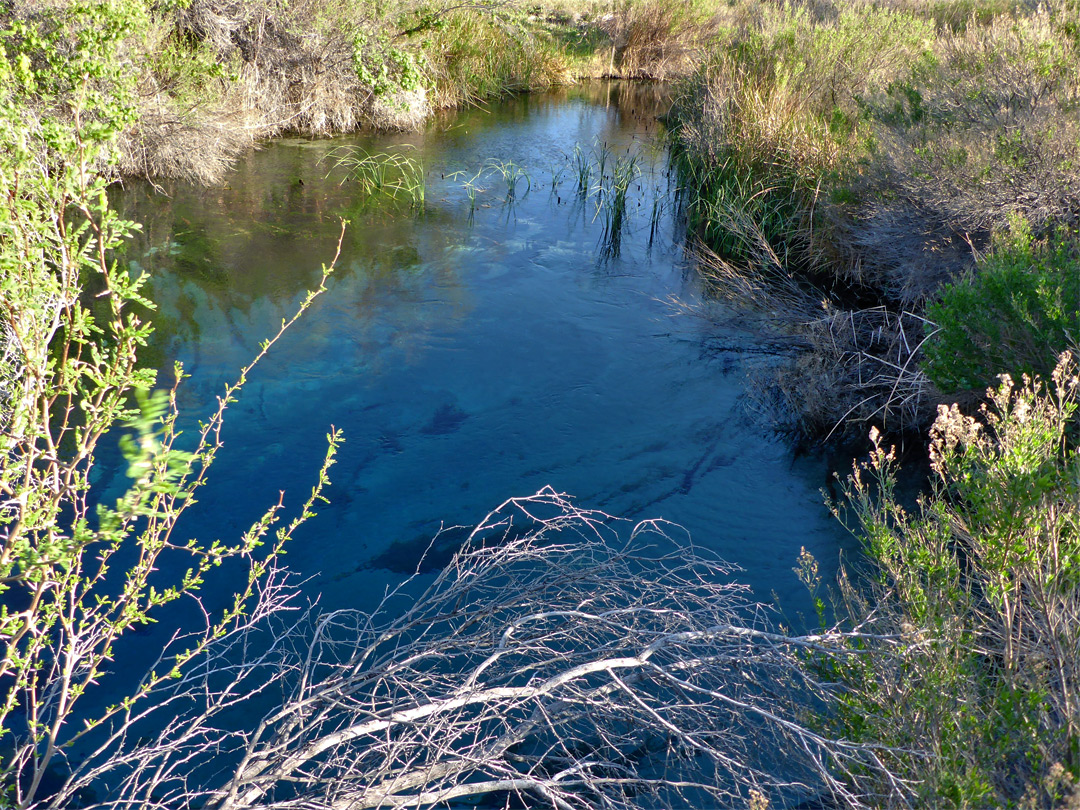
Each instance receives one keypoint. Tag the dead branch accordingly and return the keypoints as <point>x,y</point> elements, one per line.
<point>551,661</point>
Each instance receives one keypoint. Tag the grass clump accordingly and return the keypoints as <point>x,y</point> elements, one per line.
<point>657,39</point>
<point>772,120</point>
<point>512,175</point>
<point>474,57</point>
<point>390,174</point>
<point>604,178</point>
<point>971,677</point>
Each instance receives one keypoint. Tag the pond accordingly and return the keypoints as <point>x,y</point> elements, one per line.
<point>479,345</point>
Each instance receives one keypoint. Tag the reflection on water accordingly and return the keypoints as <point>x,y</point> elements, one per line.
<point>470,352</point>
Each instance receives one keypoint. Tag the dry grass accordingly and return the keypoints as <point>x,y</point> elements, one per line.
<point>265,70</point>
<point>870,152</point>
<point>855,368</point>
<point>986,131</point>
<point>654,39</point>
<point>861,370</point>
<point>216,76</point>
<point>219,75</point>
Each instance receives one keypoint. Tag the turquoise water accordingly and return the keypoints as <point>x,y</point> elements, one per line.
<point>470,350</point>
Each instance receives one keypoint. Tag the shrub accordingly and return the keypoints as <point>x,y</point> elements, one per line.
<point>985,129</point>
<point>78,573</point>
<point>976,597</point>
<point>1019,310</point>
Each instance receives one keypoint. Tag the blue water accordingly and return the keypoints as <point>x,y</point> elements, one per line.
<point>469,352</point>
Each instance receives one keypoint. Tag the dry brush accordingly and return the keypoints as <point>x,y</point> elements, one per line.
<point>549,661</point>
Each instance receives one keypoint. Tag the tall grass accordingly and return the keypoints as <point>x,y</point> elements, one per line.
<point>657,39</point>
<point>773,119</point>
<point>476,56</point>
<point>857,157</point>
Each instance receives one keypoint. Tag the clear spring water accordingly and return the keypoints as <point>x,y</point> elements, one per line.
<point>470,351</point>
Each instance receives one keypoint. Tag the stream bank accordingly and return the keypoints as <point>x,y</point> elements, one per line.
<point>895,187</point>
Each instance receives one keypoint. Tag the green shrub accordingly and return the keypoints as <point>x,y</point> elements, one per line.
<point>79,572</point>
<point>384,67</point>
<point>970,675</point>
<point>1015,315</point>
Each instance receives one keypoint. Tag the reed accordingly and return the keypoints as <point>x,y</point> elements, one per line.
<point>605,179</point>
<point>390,174</point>
<point>582,168</point>
<point>512,175</point>
<point>613,203</point>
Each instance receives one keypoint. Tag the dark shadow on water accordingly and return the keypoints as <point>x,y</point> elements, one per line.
<point>434,554</point>
<point>446,419</point>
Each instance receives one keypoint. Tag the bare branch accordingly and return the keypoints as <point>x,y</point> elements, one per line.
<point>551,660</point>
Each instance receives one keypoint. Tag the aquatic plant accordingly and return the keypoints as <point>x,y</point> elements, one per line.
<point>391,174</point>
<point>601,153</point>
<point>557,173</point>
<point>512,176</point>
<point>606,178</point>
<point>656,212</point>
<point>612,196</point>
<point>581,163</point>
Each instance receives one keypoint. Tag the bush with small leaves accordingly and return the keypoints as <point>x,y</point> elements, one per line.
<point>1019,310</point>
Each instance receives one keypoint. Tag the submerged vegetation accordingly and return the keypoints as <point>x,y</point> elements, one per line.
<point>894,185</point>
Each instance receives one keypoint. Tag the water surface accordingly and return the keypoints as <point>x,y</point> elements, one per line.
<point>470,351</point>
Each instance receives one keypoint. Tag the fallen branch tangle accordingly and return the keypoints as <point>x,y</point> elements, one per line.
<point>548,661</point>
